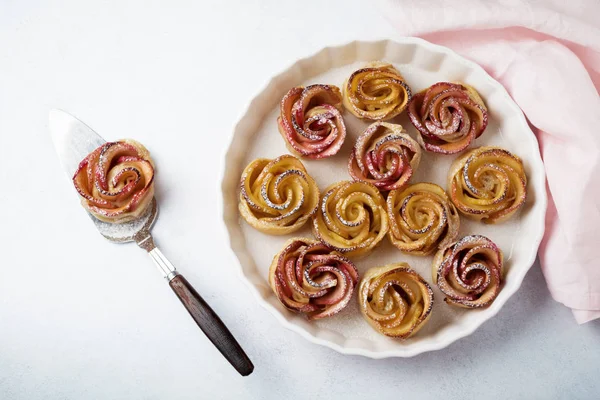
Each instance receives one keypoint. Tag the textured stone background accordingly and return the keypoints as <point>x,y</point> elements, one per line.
<point>81,318</point>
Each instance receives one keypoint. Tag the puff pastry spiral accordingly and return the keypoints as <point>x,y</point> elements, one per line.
<point>422,218</point>
<point>377,92</point>
<point>469,272</point>
<point>384,155</point>
<point>351,218</point>
<point>395,300</point>
<point>310,278</point>
<point>488,184</point>
<point>310,121</point>
<point>448,116</point>
<point>116,181</point>
<point>277,196</point>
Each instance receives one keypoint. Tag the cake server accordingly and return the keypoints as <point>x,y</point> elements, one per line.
<point>74,141</point>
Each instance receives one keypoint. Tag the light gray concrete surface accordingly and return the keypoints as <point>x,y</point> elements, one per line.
<point>81,318</point>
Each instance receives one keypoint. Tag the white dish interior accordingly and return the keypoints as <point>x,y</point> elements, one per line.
<point>422,64</point>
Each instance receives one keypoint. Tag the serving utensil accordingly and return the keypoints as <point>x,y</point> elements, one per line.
<point>74,141</point>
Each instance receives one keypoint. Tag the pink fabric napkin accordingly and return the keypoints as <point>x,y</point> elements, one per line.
<point>547,55</point>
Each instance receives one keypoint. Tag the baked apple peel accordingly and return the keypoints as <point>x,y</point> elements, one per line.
<point>309,278</point>
<point>311,122</point>
<point>448,116</point>
<point>469,272</point>
<point>384,155</point>
<point>116,181</point>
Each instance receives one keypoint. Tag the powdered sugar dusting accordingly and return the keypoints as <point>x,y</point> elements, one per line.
<point>349,323</point>
<point>124,232</point>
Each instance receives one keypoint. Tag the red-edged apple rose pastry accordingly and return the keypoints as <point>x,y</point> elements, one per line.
<point>277,196</point>
<point>395,300</point>
<point>384,155</point>
<point>488,184</point>
<point>469,272</point>
<point>422,218</point>
<point>116,181</point>
<point>377,91</point>
<point>448,116</point>
<point>310,278</point>
<point>311,122</point>
<point>351,218</point>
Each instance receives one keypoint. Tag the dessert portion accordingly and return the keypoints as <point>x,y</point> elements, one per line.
<point>377,91</point>
<point>395,300</point>
<point>277,196</point>
<point>309,278</point>
<point>448,116</point>
<point>351,218</point>
<point>469,272</point>
<point>310,121</point>
<point>384,155</point>
<point>116,181</point>
<point>488,184</point>
<point>422,218</point>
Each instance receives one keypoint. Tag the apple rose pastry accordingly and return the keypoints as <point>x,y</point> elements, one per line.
<point>469,272</point>
<point>488,184</point>
<point>376,92</point>
<point>311,122</point>
<point>309,278</point>
<point>116,181</point>
<point>395,300</point>
<point>351,218</point>
<point>448,116</point>
<point>384,155</point>
<point>277,196</point>
<point>422,218</point>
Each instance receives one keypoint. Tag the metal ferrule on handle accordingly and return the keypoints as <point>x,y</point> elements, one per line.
<point>164,265</point>
<point>146,242</point>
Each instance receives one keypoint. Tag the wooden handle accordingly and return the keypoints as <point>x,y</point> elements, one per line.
<point>211,325</point>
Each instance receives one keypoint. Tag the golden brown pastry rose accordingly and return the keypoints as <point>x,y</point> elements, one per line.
<point>422,218</point>
<point>277,196</point>
<point>310,121</point>
<point>469,272</point>
<point>395,300</point>
<point>116,181</point>
<point>448,116</point>
<point>351,218</point>
<point>488,184</point>
<point>376,92</point>
<point>310,278</point>
<point>384,155</point>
